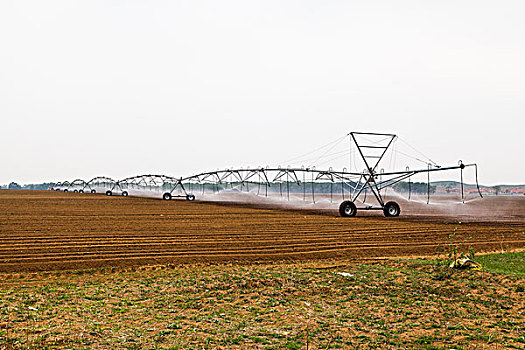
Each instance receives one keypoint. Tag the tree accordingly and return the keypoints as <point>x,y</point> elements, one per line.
<point>415,187</point>
<point>14,186</point>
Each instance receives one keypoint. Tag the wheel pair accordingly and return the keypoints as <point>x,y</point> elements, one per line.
<point>348,209</point>
<point>167,196</point>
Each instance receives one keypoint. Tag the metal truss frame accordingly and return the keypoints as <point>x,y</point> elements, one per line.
<point>107,185</point>
<point>262,180</point>
<point>168,184</point>
<point>77,185</point>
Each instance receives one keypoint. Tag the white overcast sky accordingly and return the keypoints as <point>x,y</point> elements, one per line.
<point>122,88</point>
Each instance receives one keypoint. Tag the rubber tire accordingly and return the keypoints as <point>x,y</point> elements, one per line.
<point>190,197</point>
<point>76,191</point>
<point>109,193</point>
<point>347,209</point>
<point>125,193</point>
<point>166,196</point>
<point>93,191</point>
<point>58,189</point>
<point>391,209</point>
<point>65,190</point>
<point>80,191</point>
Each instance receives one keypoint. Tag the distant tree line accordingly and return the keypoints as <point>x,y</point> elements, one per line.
<point>415,187</point>
<point>15,186</point>
<point>42,186</point>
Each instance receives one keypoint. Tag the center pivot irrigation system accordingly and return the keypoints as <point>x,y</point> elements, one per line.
<point>351,186</point>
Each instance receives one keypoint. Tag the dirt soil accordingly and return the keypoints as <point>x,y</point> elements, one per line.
<point>47,230</point>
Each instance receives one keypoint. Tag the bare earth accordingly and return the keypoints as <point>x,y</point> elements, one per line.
<point>81,271</point>
<point>46,230</point>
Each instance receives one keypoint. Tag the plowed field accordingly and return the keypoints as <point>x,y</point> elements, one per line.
<point>46,230</point>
